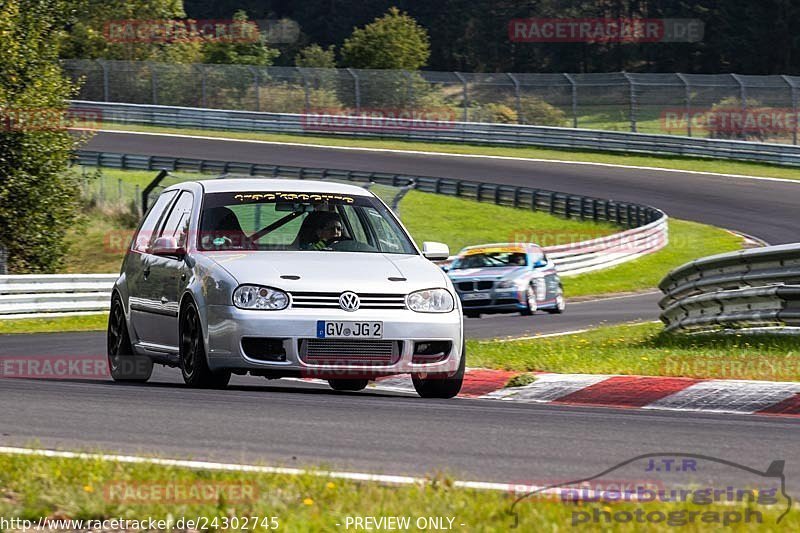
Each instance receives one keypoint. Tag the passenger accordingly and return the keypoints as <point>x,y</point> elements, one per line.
<point>319,230</point>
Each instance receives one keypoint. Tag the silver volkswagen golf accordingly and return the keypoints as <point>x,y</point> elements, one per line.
<point>283,278</point>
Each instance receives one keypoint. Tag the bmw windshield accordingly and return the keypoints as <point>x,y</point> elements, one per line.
<point>300,221</point>
<point>489,260</point>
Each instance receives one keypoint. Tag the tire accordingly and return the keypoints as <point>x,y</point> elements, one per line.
<point>441,386</point>
<point>194,365</point>
<point>123,364</point>
<point>530,305</point>
<point>561,303</point>
<point>351,385</point>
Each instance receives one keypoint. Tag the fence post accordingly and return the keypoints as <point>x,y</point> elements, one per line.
<point>743,98</point>
<point>3,261</point>
<point>466,95</point>
<point>356,89</point>
<point>687,102</point>
<point>574,85</point>
<point>202,86</point>
<point>306,89</point>
<point>632,101</point>
<point>153,82</point>
<point>257,87</point>
<point>793,90</point>
<point>106,91</point>
<point>520,118</point>
<point>410,88</point>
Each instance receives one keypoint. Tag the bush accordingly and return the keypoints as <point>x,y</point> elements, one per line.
<point>534,110</point>
<point>290,98</point>
<point>726,120</point>
<point>493,113</point>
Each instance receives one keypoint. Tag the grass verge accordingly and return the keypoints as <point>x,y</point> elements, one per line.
<point>671,162</point>
<point>97,322</point>
<point>687,241</point>
<point>642,349</point>
<point>37,487</point>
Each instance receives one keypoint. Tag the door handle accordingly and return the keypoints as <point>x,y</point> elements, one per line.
<point>146,272</point>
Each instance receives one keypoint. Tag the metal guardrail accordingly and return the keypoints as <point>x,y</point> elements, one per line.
<point>673,103</point>
<point>647,233</point>
<point>458,132</point>
<point>22,295</point>
<point>747,290</point>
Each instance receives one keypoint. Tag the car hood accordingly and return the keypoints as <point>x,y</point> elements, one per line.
<point>333,271</point>
<point>485,273</point>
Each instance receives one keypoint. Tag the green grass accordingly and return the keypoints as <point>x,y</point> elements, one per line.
<point>671,162</point>
<point>687,241</point>
<point>34,487</point>
<point>458,222</point>
<point>96,322</point>
<point>642,349</point>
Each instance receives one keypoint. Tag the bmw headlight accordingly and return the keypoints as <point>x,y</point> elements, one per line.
<point>507,284</point>
<point>430,301</point>
<point>256,297</point>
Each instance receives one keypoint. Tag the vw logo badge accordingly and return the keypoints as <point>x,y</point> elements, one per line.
<point>349,301</point>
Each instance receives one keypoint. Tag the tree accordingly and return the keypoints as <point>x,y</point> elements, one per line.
<point>314,56</point>
<point>394,41</point>
<point>251,50</point>
<point>38,197</point>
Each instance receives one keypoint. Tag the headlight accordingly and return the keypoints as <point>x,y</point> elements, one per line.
<point>255,297</point>
<point>430,301</point>
<point>507,284</point>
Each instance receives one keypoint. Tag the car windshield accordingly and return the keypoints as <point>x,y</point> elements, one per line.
<point>490,259</point>
<point>300,221</point>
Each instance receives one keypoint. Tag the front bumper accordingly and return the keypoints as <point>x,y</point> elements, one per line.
<point>493,300</point>
<point>228,325</point>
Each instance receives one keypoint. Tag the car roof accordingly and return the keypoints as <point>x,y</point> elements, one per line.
<point>285,185</point>
<point>527,246</point>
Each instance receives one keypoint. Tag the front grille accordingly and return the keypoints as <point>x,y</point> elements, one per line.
<point>330,300</point>
<point>349,352</point>
<point>466,286</point>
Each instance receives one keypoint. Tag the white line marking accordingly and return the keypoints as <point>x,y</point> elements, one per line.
<point>480,156</point>
<point>256,469</point>
<point>727,396</point>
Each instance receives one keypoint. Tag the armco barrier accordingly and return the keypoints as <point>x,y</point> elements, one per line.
<point>54,293</point>
<point>746,290</point>
<point>648,226</point>
<point>460,132</point>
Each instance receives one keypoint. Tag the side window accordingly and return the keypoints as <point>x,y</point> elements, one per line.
<point>387,238</point>
<point>177,224</point>
<point>141,243</point>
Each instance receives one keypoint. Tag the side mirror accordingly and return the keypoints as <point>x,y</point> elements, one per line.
<point>168,246</point>
<point>540,263</point>
<point>435,251</point>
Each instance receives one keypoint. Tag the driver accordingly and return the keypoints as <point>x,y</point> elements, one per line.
<point>320,229</point>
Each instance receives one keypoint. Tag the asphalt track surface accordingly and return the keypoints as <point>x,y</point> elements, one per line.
<point>289,424</point>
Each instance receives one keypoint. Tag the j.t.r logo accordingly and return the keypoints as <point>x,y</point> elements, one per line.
<point>349,301</point>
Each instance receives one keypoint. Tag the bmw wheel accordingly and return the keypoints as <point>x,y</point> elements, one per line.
<point>123,364</point>
<point>561,303</point>
<point>194,365</point>
<point>441,386</point>
<point>530,302</point>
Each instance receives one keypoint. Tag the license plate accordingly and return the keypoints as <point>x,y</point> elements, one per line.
<point>476,296</point>
<point>328,329</point>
